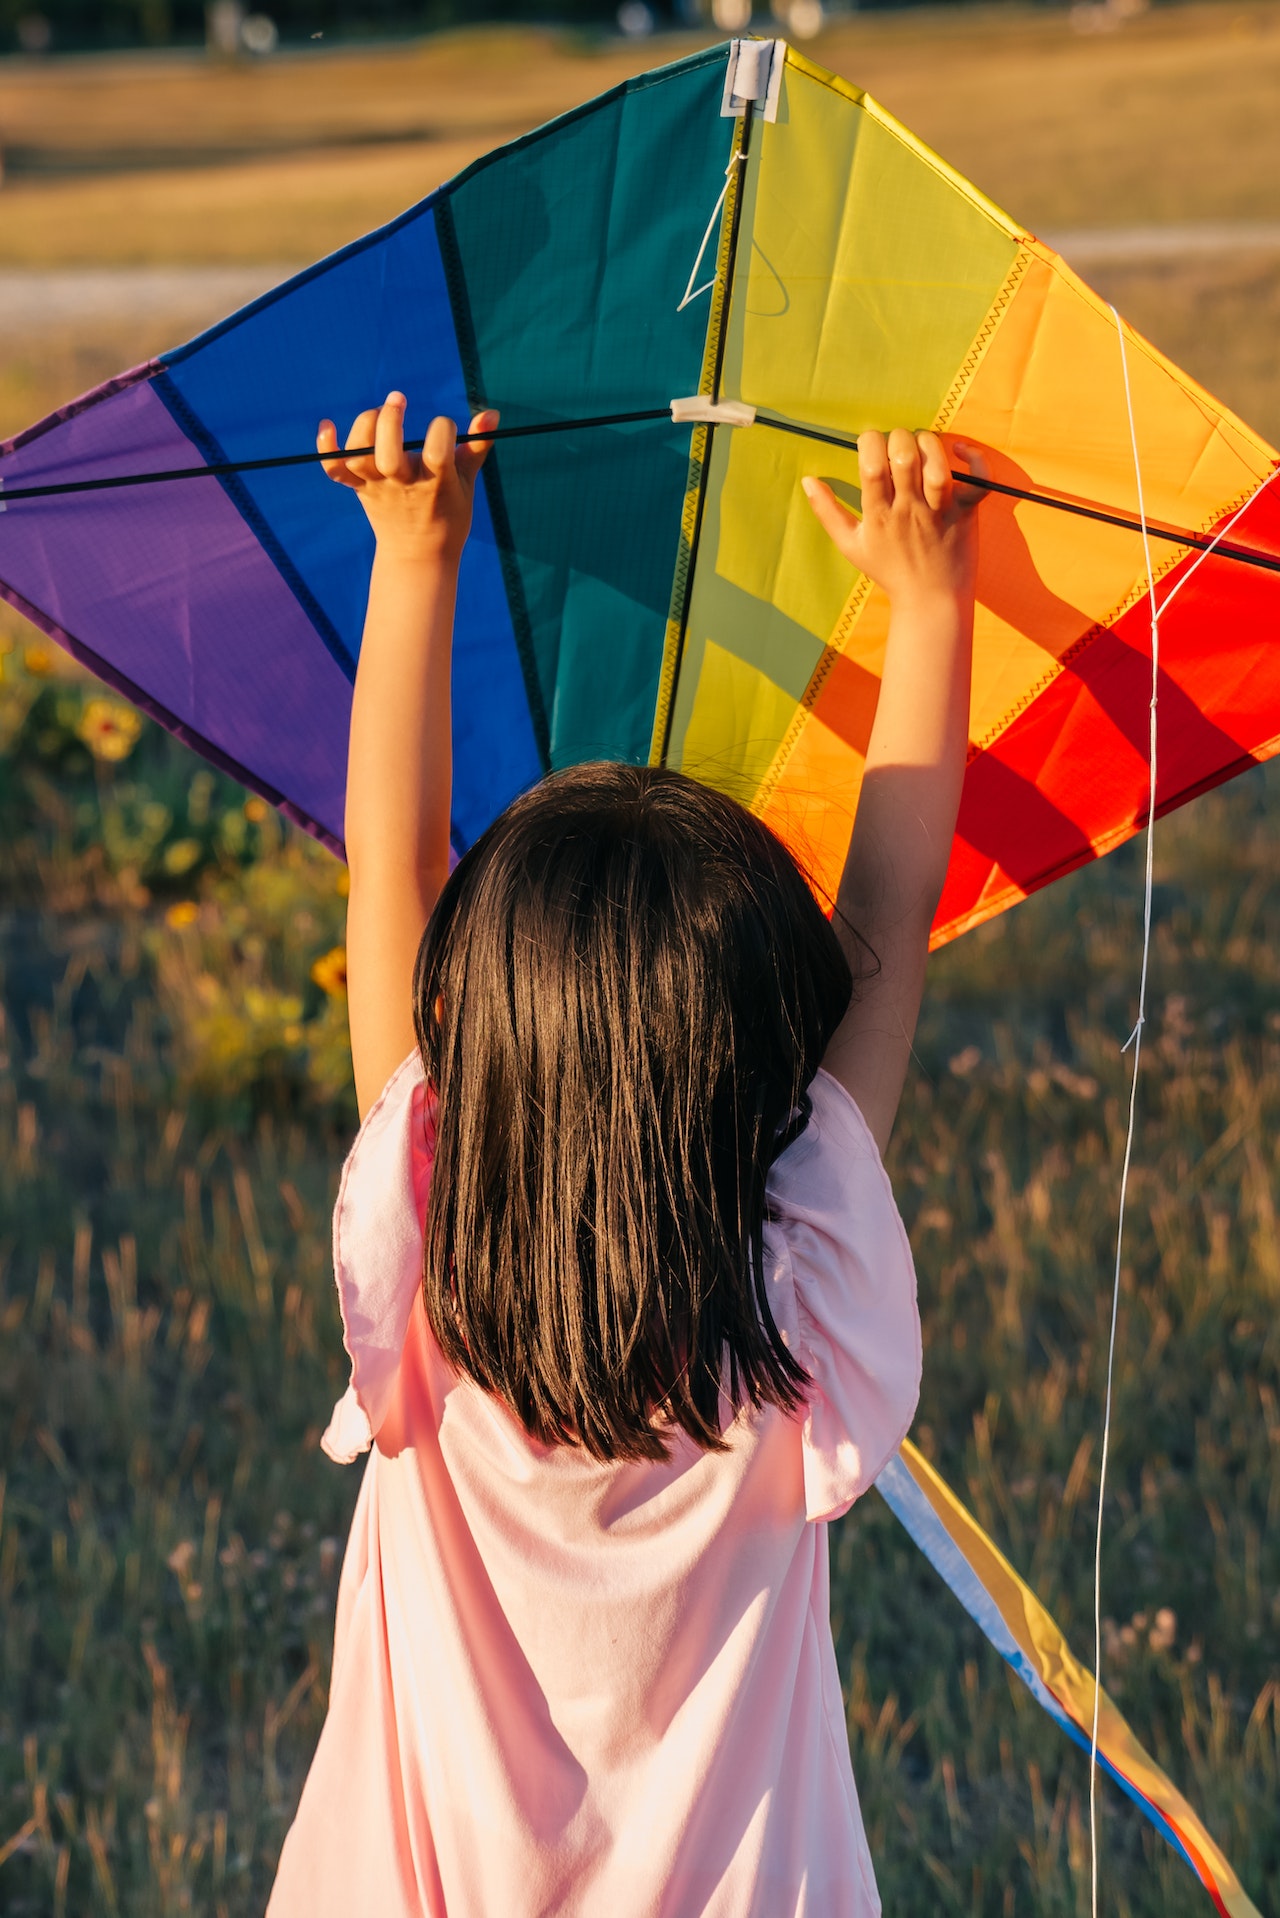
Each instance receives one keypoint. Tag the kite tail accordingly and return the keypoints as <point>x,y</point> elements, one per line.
<point>1013,1619</point>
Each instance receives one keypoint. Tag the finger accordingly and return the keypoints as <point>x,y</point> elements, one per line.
<point>438,452</point>
<point>974,460</point>
<point>388,440</point>
<point>336,468</point>
<point>363,432</point>
<point>839,524</point>
<point>472,456</point>
<point>874,475</point>
<point>904,463</point>
<point>935,472</point>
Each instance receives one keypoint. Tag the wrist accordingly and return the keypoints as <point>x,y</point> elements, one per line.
<point>438,555</point>
<point>940,602</point>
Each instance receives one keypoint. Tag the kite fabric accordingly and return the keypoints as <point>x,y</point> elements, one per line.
<point>655,587</point>
<point>1016,1623</point>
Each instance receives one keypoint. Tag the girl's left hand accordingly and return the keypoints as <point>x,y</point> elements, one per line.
<point>419,505</point>
<point>917,533</point>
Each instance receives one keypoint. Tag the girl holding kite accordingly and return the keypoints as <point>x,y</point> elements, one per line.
<point>630,1309</point>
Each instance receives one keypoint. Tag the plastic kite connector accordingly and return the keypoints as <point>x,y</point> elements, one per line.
<point>754,77</point>
<point>701,410</point>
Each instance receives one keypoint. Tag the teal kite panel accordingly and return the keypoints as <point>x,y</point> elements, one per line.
<point>570,252</point>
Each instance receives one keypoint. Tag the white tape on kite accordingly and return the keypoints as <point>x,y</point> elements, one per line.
<point>701,410</point>
<point>754,76</point>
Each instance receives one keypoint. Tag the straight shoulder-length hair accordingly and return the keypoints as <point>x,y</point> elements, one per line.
<point>621,998</point>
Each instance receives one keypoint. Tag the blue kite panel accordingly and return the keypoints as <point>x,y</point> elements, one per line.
<point>332,342</point>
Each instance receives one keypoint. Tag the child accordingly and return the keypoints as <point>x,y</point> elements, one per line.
<point>629,1305</point>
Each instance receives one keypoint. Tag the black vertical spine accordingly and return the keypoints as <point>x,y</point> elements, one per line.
<point>717,373</point>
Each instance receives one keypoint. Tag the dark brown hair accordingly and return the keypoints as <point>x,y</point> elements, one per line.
<point>635,987</point>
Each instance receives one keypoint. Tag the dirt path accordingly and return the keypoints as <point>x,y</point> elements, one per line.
<point>35,299</point>
<point>1135,244</point>
<point>194,296</point>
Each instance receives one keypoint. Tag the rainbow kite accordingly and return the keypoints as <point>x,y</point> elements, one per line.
<point>684,296</point>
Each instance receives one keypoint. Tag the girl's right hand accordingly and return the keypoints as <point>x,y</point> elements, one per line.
<point>917,537</point>
<point>419,504</point>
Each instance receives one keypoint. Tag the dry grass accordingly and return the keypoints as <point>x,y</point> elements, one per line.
<point>290,209</point>
<point>1171,119</point>
<point>336,144</point>
<point>1217,316</point>
<point>174,1101</point>
<point>174,1105</point>
<point>492,81</point>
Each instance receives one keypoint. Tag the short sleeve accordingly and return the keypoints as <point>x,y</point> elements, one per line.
<point>377,1251</point>
<point>844,1289</point>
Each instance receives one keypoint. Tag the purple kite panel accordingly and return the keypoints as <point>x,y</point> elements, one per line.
<point>177,605</point>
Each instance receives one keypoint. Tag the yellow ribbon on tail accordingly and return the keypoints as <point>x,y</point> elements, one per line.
<point>1017,1624</point>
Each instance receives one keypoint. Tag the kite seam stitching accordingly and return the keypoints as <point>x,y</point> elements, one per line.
<point>1224,518</point>
<point>671,649</point>
<point>701,444</point>
<point>982,339</point>
<point>1064,662</point>
<point>1211,409</point>
<point>512,583</point>
<point>1068,658</point>
<point>831,652</point>
<point>861,591</point>
<point>1236,512</point>
<point>1012,894</point>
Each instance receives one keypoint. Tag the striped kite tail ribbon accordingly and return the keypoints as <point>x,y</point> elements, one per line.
<point>1017,1624</point>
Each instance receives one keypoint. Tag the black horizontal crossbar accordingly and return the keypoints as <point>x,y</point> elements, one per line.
<point>218,469</point>
<point>1198,542</point>
<point>1129,523</point>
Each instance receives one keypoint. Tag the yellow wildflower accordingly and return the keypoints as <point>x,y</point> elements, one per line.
<point>184,913</point>
<point>330,972</point>
<point>38,661</point>
<point>255,809</point>
<point>182,855</point>
<point>109,728</point>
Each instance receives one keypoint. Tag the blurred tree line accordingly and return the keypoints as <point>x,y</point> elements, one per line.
<point>42,26</point>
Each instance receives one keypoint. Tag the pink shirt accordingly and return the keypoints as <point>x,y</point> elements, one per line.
<point>563,1687</point>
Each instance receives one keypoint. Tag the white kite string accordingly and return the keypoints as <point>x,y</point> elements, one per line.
<point>692,292</point>
<point>1217,539</point>
<point>1134,1040</point>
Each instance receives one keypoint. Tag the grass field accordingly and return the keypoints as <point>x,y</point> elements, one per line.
<point>1172,120</point>
<point>174,1095</point>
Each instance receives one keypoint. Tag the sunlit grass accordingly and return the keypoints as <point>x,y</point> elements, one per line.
<point>1171,119</point>
<point>174,1108</point>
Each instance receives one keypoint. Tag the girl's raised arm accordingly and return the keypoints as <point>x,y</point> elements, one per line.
<point>399,769</point>
<point>918,540</point>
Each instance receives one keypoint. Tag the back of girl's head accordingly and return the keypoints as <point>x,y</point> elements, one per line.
<point>622,996</point>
